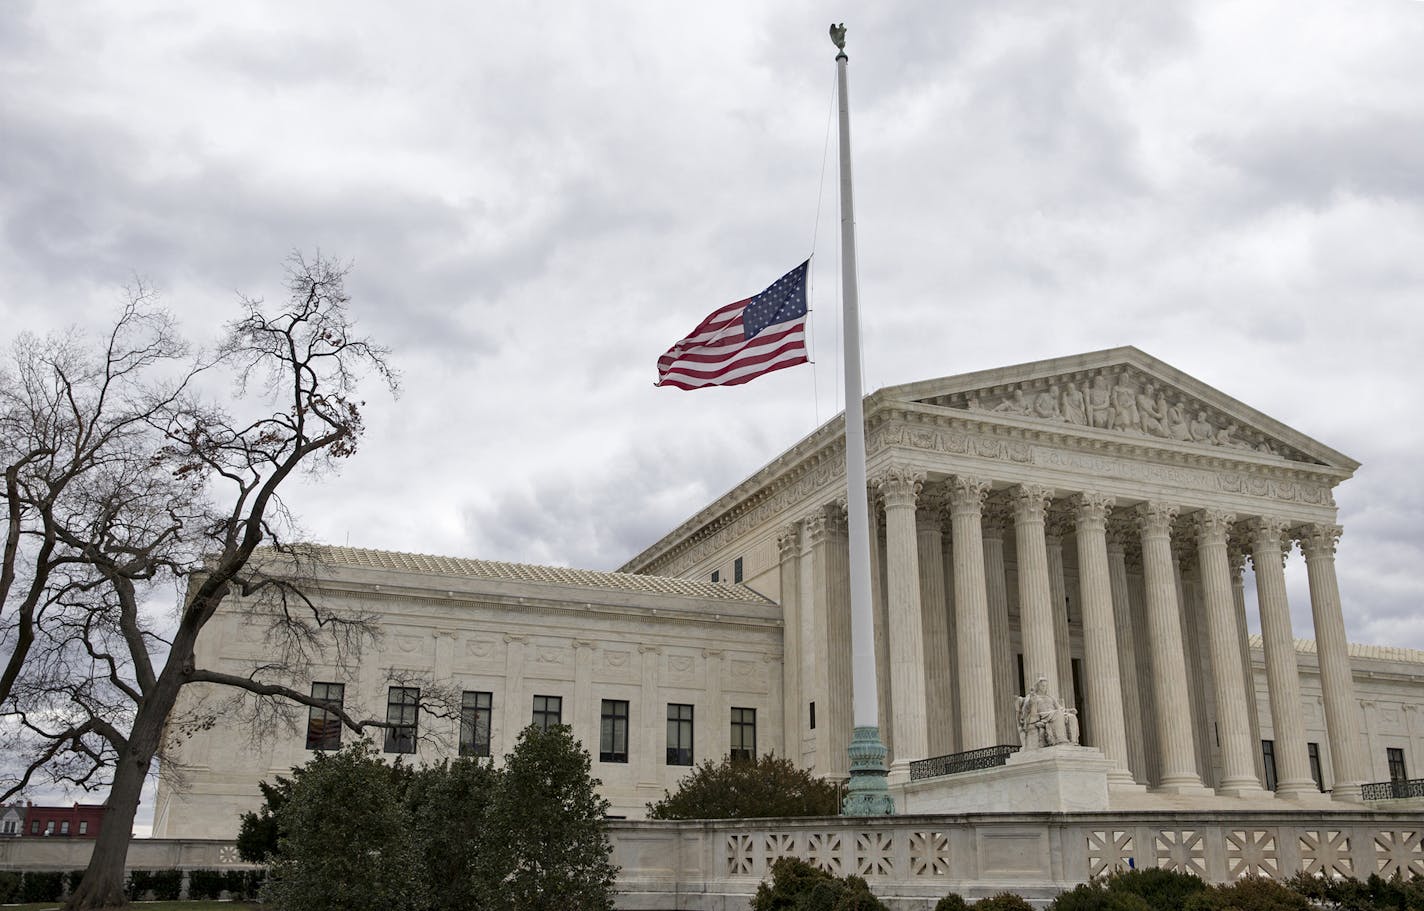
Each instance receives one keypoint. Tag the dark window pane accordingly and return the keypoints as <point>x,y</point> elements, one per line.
<point>548,712</point>
<point>613,731</point>
<point>323,727</point>
<point>476,713</point>
<point>1395,757</point>
<point>1268,755</point>
<point>743,733</point>
<point>1313,751</point>
<point>402,711</point>
<point>679,734</point>
<point>737,570</point>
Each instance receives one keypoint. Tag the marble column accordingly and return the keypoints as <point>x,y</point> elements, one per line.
<point>1127,654</point>
<point>971,615</point>
<point>1001,652</point>
<point>788,543</point>
<point>653,715</point>
<point>1137,600</point>
<point>946,562</point>
<point>1170,699</point>
<point>1035,599</point>
<point>840,716</point>
<point>884,705</point>
<point>1193,648</point>
<point>1337,683</point>
<point>714,733</point>
<point>900,488</point>
<point>1236,560</point>
<point>1100,650</point>
<point>1282,675</point>
<point>1232,690</point>
<point>934,609</point>
<point>1053,532</point>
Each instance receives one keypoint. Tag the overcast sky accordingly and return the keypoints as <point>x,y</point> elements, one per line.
<point>538,199</point>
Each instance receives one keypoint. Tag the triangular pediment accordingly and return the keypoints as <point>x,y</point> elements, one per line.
<point>1121,392</point>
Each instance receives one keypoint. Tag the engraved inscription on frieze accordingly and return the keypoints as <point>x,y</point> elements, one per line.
<point>1124,400</point>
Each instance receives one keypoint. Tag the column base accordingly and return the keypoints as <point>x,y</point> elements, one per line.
<point>1349,792</point>
<point>1307,794</point>
<point>1183,787</point>
<point>1121,782</point>
<point>1251,789</point>
<point>868,793</point>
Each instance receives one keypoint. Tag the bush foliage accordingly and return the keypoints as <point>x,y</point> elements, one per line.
<point>767,786</point>
<point>797,886</point>
<point>355,834</point>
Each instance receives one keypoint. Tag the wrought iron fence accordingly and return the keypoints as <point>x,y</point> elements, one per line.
<point>968,761</point>
<point>1385,790</point>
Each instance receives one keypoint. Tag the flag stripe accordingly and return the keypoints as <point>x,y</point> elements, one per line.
<point>719,353</point>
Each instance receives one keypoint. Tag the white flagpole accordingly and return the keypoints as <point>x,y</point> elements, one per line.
<point>867,794</point>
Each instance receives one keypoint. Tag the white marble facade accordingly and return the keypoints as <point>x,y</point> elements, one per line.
<point>1094,519</point>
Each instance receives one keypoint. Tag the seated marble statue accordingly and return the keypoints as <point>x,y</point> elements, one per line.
<point>1043,720</point>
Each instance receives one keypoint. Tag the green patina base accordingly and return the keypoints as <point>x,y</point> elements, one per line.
<point>867,794</point>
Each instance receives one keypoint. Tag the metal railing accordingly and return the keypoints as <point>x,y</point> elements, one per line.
<point>1389,790</point>
<point>968,761</point>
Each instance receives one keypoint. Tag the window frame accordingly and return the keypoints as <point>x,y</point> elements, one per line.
<point>1317,770</point>
<point>540,717</point>
<point>678,723</point>
<point>743,722</point>
<point>737,570</point>
<point>472,713</point>
<point>1268,764</point>
<point>83,827</point>
<point>613,730</point>
<point>323,727</point>
<point>403,711</point>
<point>1394,761</point>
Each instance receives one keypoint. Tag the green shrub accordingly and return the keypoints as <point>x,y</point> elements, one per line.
<point>1375,894</point>
<point>1095,896</point>
<point>9,887</point>
<point>797,886</point>
<point>951,902</point>
<point>1249,894</point>
<point>1163,890</point>
<point>1004,901</point>
<point>42,886</point>
<point>766,786</point>
<point>165,885</point>
<point>205,885</point>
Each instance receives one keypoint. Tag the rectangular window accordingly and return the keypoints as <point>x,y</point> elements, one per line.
<point>402,708</point>
<point>716,575</point>
<point>737,570</point>
<point>813,716</point>
<point>1075,667</point>
<point>1313,749</point>
<point>64,827</point>
<point>1395,757</point>
<point>35,827</point>
<point>476,712</point>
<point>1022,691</point>
<point>83,827</point>
<point>323,727</point>
<point>743,734</point>
<point>679,734</point>
<point>548,712</point>
<point>613,731</point>
<point>1268,760</point>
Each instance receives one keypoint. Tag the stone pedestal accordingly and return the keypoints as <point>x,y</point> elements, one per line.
<point>1056,779</point>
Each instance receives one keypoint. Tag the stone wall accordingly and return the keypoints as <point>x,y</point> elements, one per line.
<point>912,861</point>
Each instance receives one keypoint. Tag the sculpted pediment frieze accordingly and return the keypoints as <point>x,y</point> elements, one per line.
<point>1120,399</point>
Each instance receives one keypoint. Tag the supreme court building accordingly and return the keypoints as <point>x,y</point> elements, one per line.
<point>1097,520</point>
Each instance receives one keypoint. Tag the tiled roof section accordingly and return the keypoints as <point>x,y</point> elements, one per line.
<point>1357,650</point>
<point>496,571</point>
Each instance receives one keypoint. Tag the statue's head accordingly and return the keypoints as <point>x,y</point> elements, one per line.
<point>1040,686</point>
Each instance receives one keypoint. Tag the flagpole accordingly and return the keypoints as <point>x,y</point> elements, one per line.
<point>867,794</point>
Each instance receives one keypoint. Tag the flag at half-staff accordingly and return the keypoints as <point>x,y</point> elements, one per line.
<point>744,339</point>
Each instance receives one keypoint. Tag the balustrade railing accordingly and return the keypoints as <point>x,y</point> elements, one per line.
<point>968,761</point>
<point>1389,790</point>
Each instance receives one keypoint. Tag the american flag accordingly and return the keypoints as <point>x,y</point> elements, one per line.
<point>744,339</point>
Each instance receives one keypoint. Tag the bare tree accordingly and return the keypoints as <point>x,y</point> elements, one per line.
<point>121,479</point>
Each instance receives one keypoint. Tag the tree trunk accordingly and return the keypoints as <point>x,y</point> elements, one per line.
<point>103,884</point>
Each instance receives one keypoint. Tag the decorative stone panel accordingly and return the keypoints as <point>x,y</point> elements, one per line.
<point>1399,852</point>
<point>1326,852</point>
<point>1252,852</point>
<point>823,850</point>
<point>1181,850</point>
<point>929,853</point>
<point>874,853</point>
<point>1109,850</point>
<point>741,851</point>
<point>779,845</point>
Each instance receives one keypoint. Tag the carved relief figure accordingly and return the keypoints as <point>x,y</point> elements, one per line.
<point>1124,400</point>
<point>1015,405</point>
<point>1153,420</point>
<point>1043,720</point>
<point>1177,426</point>
<point>1201,429</point>
<point>1100,402</point>
<point>1075,407</point>
<point>1045,404</point>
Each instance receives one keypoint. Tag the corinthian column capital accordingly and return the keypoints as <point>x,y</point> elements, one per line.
<point>1212,525</point>
<point>1090,509</point>
<point>900,486</point>
<point>1318,540</point>
<point>788,541</point>
<point>966,494</point>
<point>1156,517</point>
<point>1030,502</point>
